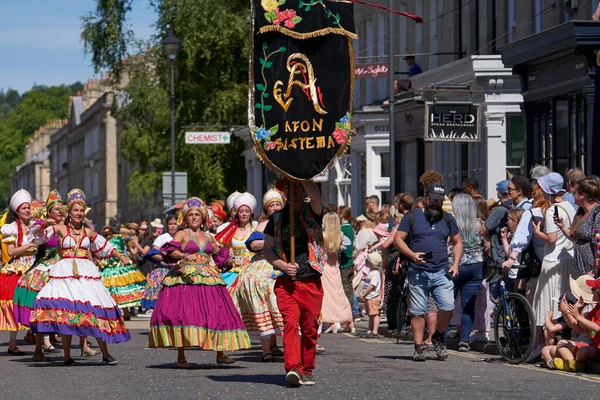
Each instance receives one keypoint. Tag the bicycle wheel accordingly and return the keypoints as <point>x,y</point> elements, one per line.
<point>514,329</point>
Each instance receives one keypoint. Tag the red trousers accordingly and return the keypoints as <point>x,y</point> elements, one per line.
<point>300,305</point>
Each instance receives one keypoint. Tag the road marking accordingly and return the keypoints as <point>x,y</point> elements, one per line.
<point>530,367</point>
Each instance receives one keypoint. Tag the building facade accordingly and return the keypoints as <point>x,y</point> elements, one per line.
<point>34,174</point>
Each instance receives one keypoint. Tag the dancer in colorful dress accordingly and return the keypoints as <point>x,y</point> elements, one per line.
<point>232,211</point>
<point>255,293</point>
<point>218,217</point>
<point>124,281</point>
<point>234,238</point>
<point>22,252</point>
<point>34,280</point>
<point>74,301</point>
<point>193,308</point>
<point>161,269</point>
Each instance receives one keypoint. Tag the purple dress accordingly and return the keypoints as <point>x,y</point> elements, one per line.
<point>194,308</point>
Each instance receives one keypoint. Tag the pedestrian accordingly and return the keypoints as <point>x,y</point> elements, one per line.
<point>519,190</point>
<point>471,269</point>
<point>194,308</point>
<point>573,176</point>
<point>298,287</point>
<point>584,229</point>
<point>429,272</point>
<point>256,297</point>
<point>336,308</point>
<point>427,179</point>
<point>346,260</point>
<point>496,221</point>
<point>537,171</point>
<point>559,259</point>
<point>23,251</point>
<point>372,204</point>
<point>471,187</point>
<point>371,293</point>
<point>75,301</point>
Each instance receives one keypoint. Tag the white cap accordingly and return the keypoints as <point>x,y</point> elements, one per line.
<point>19,198</point>
<point>231,199</point>
<point>245,199</point>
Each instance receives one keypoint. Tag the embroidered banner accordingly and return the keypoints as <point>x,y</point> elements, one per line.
<point>301,84</point>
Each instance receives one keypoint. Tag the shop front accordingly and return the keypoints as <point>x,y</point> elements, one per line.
<point>455,121</point>
<point>558,69</point>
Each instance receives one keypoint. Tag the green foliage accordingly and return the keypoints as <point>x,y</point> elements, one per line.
<point>211,91</point>
<point>26,115</point>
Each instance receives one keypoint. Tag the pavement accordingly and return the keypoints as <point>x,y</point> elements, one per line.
<point>350,368</point>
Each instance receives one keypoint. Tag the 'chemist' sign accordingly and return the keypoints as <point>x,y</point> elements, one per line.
<point>207,138</point>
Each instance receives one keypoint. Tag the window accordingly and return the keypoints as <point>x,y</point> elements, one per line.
<point>542,133</point>
<point>515,145</point>
<point>577,131</point>
<point>385,165</point>
<point>512,20</point>
<point>91,141</point>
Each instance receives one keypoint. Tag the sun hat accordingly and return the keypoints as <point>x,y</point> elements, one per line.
<point>580,288</point>
<point>374,259</point>
<point>553,183</point>
<point>157,223</point>
<point>361,218</point>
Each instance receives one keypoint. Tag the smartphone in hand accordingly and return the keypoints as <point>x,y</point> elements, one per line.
<point>556,212</point>
<point>427,256</point>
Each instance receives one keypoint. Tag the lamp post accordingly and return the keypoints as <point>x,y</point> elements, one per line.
<point>171,46</point>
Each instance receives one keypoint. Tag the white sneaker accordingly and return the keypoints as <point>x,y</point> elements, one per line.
<point>147,314</point>
<point>479,337</point>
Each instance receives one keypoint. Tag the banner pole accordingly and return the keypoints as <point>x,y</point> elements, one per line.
<point>292,236</point>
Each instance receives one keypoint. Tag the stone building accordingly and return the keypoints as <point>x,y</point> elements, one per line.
<point>34,174</point>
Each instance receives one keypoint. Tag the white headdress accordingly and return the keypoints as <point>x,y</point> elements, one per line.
<point>19,198</point>
<point>245,199</point>
<point>231,199</point>
<point>271,196</point>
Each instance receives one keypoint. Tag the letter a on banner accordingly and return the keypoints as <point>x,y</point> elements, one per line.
<point>301,84</point>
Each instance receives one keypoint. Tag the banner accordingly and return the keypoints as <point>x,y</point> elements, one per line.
<point>301,84</point>
<point>451,122</point>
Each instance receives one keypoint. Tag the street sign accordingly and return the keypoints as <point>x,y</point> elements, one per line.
<point>371,70</point>
<point>207,138</point>
<point>181,187</point>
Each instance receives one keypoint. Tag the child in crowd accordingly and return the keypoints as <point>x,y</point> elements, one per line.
<point>371,293</point>
<point>556,330</point>
<point>572,355</point>
<point>514,216</point>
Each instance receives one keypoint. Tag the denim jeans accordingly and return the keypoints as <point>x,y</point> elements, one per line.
<point>423,283</point>
<point>467,283</point>
<point>355,307</point>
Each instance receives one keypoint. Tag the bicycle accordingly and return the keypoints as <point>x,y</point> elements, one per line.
<point>514,323</point>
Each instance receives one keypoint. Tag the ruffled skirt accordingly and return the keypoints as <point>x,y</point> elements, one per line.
<point>8,283</point>
<point>257,301</point>
<point>154,284</point>
<point>78,305</point>
<point>125,283</point>
<point>195,310</point>
<point>27,289</point>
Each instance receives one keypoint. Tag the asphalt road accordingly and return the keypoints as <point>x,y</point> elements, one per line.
<point>351,368</point>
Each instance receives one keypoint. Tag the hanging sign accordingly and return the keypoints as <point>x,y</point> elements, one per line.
<point>452,122</point>
<point>301,84</point>
<point>207,138</point>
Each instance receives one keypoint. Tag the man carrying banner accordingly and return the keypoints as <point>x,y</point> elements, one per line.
<point>298,287</point>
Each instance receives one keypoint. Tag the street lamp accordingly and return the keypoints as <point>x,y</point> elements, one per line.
<point>171,46</point>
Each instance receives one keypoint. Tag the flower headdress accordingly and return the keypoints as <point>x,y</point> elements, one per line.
<point>191,204</point>
<point>75,196</point>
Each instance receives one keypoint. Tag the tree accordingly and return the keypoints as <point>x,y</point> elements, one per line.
<point>31,111</point>
<point>211,89</point>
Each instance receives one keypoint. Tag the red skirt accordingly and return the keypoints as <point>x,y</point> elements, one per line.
<point>8,283</point>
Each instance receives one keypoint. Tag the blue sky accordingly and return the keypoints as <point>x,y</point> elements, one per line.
<point>40,41</point>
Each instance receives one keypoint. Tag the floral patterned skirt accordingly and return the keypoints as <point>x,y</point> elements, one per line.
<point>154,284</point>
<point>28,287</point>
<point>78,305</point>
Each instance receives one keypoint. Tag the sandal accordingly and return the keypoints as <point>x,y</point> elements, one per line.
<point>55,339</point>
<point>38,357</point>
<point>87,352</point>
<point>559,364</point>
<point>267,358</point>
<point>320,349</point>
<point>183,364</point>
<point>50,349</point>
<point>277,352</point>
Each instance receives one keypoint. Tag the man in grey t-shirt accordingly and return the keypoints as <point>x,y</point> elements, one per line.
<point>497,221</point>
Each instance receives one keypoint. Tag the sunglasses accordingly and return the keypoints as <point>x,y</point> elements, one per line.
<point>510,189</point>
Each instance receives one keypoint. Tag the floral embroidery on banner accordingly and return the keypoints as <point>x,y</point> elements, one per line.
<point>274,15</point>
<point>343,129</point>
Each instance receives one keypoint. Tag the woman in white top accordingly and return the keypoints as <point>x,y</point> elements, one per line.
<point>558,251</point>
<point>362,241</point>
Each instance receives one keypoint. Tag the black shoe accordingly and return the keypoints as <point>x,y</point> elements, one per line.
<point>16,352</point>
<point>463,347</point>
<point>109,360</point>
<point>70,362</point>
<point>419,354</point>
<point>307,380</point>
<point>292,378</point>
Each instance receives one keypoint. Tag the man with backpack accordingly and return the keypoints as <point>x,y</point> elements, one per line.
<point>427,232</point>
<point>496,221</point>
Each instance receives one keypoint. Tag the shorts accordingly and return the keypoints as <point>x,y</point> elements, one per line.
<point>581,345</point>
<point>422,284</point>
<point>372,306</point>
